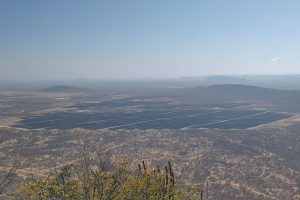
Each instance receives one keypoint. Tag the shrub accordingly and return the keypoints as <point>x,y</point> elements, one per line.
<point>94,177</point>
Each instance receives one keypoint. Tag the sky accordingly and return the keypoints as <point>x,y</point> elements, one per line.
<point>129,39</point>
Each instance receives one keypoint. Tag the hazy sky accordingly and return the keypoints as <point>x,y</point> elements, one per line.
<point>112,39</point>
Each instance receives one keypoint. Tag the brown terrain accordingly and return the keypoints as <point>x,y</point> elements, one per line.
<point>257,161</point>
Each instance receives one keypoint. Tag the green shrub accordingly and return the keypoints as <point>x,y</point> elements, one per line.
<point>94,177</point>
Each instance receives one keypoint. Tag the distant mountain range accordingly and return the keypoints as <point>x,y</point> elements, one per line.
<point>269,81</point>
<point>288,99</point>
<point>66,89</point>
<point>220,80</point>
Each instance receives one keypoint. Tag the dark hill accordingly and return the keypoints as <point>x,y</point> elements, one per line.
<point>236,92</point>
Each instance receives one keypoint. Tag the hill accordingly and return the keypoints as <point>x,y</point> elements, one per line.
<point>238,92</point>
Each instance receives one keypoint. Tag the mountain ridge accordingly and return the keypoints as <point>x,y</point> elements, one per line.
<point>65,88</point>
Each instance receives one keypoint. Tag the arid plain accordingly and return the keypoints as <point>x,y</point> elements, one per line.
<point>244,149</point>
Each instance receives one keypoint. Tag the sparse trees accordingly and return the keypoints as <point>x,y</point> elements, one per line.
<point>7,177</point>
<point>94,176</point>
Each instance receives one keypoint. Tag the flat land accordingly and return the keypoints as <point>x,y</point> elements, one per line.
<point>243,149</point>
<point>149,113</point>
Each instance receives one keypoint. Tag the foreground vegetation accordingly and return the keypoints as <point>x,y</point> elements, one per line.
<point>94,176</point>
